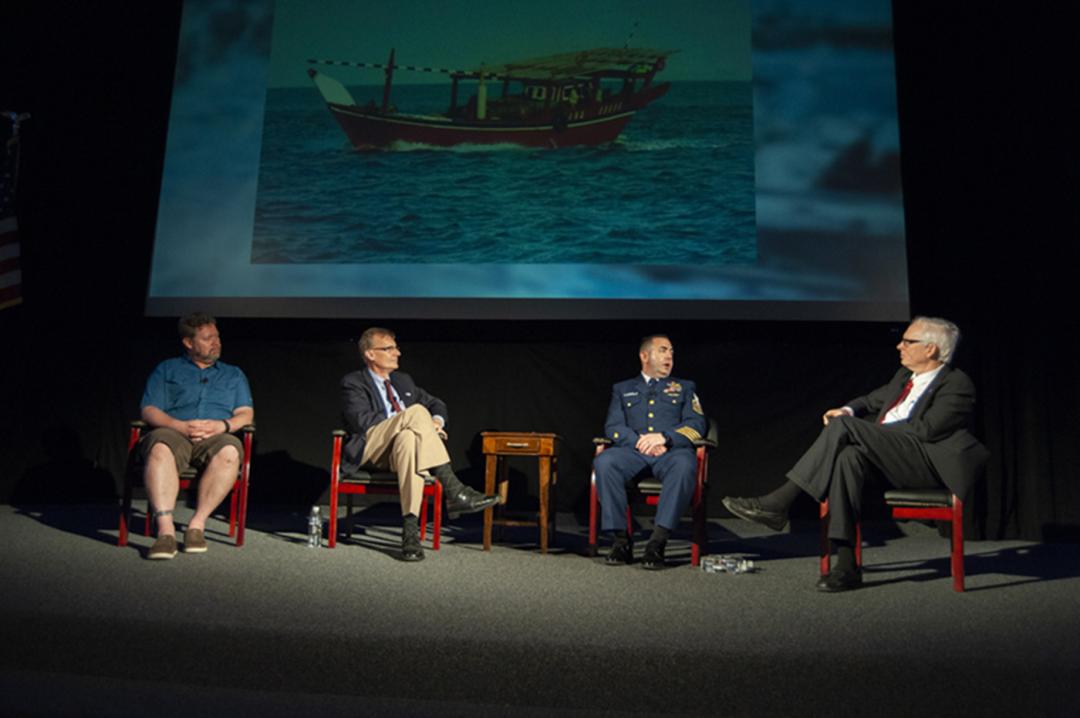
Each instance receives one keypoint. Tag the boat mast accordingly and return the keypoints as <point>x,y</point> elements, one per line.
<point>481,97</point>
<point>386,85</point>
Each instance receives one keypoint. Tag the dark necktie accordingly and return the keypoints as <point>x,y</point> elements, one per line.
<point>903,395</point>
<point>391,398</point>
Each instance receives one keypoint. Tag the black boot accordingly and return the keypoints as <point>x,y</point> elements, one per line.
<point>654,550</point>
<point>622,550</point>
<point>460,499</point>
<point>410,539</point>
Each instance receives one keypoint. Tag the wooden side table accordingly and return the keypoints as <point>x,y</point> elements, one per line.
<point>500,444</point>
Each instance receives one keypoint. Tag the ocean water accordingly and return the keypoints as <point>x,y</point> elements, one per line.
<point>677,187</point>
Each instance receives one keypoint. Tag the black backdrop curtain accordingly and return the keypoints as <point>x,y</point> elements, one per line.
<point>990,179</point>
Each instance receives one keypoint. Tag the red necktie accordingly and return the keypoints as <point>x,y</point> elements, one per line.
<point>903,395</point>
<point>393,399</point>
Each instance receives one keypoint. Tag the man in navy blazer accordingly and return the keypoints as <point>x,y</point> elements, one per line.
<point>394,424</point>
<point>652,423</point>
<point>913,431</point>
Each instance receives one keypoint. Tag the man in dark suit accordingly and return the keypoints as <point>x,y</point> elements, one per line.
<point>913,433</point>
<point>652,423</point>
<point>394,424</point>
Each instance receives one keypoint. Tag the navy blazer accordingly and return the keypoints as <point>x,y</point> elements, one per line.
<point>363,408</point>
<point>671,407</point>
<point>939,421</point>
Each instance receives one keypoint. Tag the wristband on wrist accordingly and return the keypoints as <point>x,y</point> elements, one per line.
<point>228,428</point>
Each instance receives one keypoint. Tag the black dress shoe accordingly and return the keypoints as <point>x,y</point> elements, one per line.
<point>751,510</point>
<point>621,553</point>
<point>468,501</point>
<point>653,559</point>
<point>836,581</point>
<point>410,544</point>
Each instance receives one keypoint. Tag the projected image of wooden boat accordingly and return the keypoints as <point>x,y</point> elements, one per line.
<point>573,99</point>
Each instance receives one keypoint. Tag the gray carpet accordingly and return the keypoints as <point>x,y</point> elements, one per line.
<point>276,628</point>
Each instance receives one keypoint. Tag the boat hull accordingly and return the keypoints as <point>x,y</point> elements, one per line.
<point>368,128</point>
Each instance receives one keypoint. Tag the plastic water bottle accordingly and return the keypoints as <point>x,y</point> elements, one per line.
<point>727,564</point>
<point>314,528</point>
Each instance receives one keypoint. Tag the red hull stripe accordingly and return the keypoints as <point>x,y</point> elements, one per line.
<point>376,131</point>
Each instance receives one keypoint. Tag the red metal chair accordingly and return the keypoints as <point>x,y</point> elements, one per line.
<point>929,504</point>
<point>379,483</point>
<point>238,495</point>
<point>649,490</point>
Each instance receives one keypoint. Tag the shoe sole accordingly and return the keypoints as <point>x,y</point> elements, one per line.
<point>754,518</point>
<point>161,556</point>
<point>838,588</point>
<point>412,559</point>
<point>459,512</point>
<point>195,549</point>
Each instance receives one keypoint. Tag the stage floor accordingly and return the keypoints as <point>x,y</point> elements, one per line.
<point>275,628</point>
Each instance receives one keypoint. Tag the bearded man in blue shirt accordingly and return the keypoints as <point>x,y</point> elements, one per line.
<point>193,402</point>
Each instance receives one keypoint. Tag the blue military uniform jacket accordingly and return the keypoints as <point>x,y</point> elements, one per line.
<point>670,406</point>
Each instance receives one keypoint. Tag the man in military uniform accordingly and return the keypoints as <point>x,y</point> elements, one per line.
<point>652,422</point>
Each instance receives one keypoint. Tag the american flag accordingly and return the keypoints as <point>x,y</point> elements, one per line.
<point>10,273</point>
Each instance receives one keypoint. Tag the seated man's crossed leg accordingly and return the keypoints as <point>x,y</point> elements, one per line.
<point>409,444</point>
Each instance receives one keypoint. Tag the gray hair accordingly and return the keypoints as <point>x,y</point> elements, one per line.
<point>941,333</point>
<point>367,339</point>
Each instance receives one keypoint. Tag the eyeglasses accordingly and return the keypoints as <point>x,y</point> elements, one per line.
<point>908,342</point>
<point>391,348</point>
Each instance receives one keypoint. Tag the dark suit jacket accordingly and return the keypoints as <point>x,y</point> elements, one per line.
<point>939,421</point>
<point>363,408</point>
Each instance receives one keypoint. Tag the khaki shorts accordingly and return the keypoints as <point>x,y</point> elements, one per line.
<point>187,453</point>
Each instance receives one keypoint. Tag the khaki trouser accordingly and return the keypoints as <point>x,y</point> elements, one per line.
<point>406,444</point>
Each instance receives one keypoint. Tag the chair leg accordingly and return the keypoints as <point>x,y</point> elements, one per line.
<point>331,525</point>
<point>823,513</point>
<point>858,543</point>
<point>125,511</point>
<point>241,510</point>
<point>436,529</point>
<point>232,507</point>
<point>592,515</point>
<point>700,544</point>
<point>957,554</point>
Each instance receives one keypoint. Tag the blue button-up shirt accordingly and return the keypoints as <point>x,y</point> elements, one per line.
<point>380,384</point>
<point>184,391</point>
